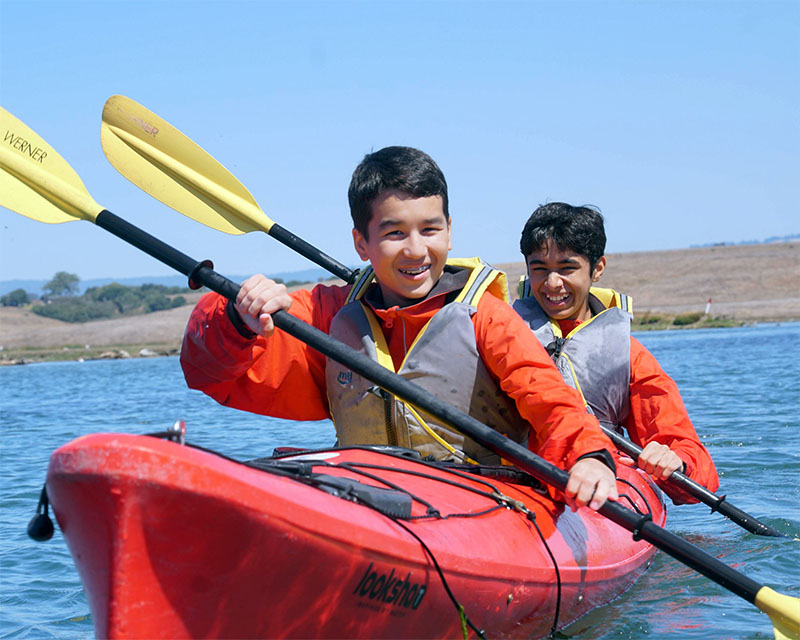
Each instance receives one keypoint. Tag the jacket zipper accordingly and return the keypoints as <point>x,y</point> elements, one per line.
<point>560,342</point>
<point>388,403</point>
<point>391,434</point>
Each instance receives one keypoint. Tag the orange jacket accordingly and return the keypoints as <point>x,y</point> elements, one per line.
<point>658,413</point>
<point>282,377</point>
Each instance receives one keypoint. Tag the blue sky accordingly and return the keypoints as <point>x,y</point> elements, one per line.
<point>680,120</point>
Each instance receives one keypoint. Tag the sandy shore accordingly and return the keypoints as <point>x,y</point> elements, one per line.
<point>749,283</point>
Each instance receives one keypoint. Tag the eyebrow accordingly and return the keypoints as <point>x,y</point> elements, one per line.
<point>391,222</point>
<point>567,261</point>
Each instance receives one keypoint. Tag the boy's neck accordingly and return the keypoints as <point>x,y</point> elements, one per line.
<point>593,307</point>
<point>453,280</point>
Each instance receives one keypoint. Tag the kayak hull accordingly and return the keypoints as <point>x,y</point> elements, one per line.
<point>171,541</point>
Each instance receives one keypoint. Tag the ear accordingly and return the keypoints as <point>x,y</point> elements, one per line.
<point>449,234</point>
<point>599,268</point>
<point>360,244</point>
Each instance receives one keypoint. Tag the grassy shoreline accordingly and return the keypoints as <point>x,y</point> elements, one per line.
<point>655,322</point>
<point>73,353</point>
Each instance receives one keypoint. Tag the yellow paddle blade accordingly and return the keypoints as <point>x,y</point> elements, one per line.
<point>37,182</point>
<point>783,610</point>
<point>162,161</point>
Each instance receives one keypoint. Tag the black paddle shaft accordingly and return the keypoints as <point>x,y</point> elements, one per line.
<point>717,503</point>
<point>312,253</point>
<point>187,266</point>
<point>641,526</point>
<point>168,255</point>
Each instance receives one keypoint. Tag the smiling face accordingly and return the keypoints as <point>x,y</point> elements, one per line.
<point>407,243</point>
<point>560,280</point>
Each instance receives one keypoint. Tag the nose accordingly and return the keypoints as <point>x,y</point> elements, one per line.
<point>414,246</point>
<point>553,280</point>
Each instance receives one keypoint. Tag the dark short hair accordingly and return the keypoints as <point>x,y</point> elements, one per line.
<point>579,229</point>
<point>403,168</point>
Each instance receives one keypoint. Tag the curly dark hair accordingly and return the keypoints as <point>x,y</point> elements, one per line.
<point>579,229</point>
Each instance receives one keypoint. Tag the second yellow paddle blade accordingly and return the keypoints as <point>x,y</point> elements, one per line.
<point>783,611</point>
<point>37,182</point>
<point>162,161</point>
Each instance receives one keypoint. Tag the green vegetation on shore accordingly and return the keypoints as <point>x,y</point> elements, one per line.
<point>694,320</point>
<point>61,302</point>
<point>110,301</point>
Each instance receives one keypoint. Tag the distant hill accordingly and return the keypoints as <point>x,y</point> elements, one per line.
<point>789,238</point>
<point>178,280</point>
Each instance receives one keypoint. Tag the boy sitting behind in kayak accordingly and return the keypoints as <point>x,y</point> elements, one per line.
<point>587,332</point>
<point>443,324</point>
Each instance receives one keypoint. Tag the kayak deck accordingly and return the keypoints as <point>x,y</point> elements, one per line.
<point>172,541</point>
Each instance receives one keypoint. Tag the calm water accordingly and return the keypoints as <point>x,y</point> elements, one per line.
<point>742,388</point>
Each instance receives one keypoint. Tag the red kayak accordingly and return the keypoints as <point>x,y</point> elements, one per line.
<point>176,542</point>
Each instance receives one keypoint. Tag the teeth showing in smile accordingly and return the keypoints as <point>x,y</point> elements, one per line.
<point>416,271</point>
<point>560,298</point>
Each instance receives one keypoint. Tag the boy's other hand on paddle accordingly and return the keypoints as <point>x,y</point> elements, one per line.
<point>658,460</point>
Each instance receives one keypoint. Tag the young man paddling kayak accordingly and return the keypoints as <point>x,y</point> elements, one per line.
<point>444,324</point>
<point>587,332</point>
